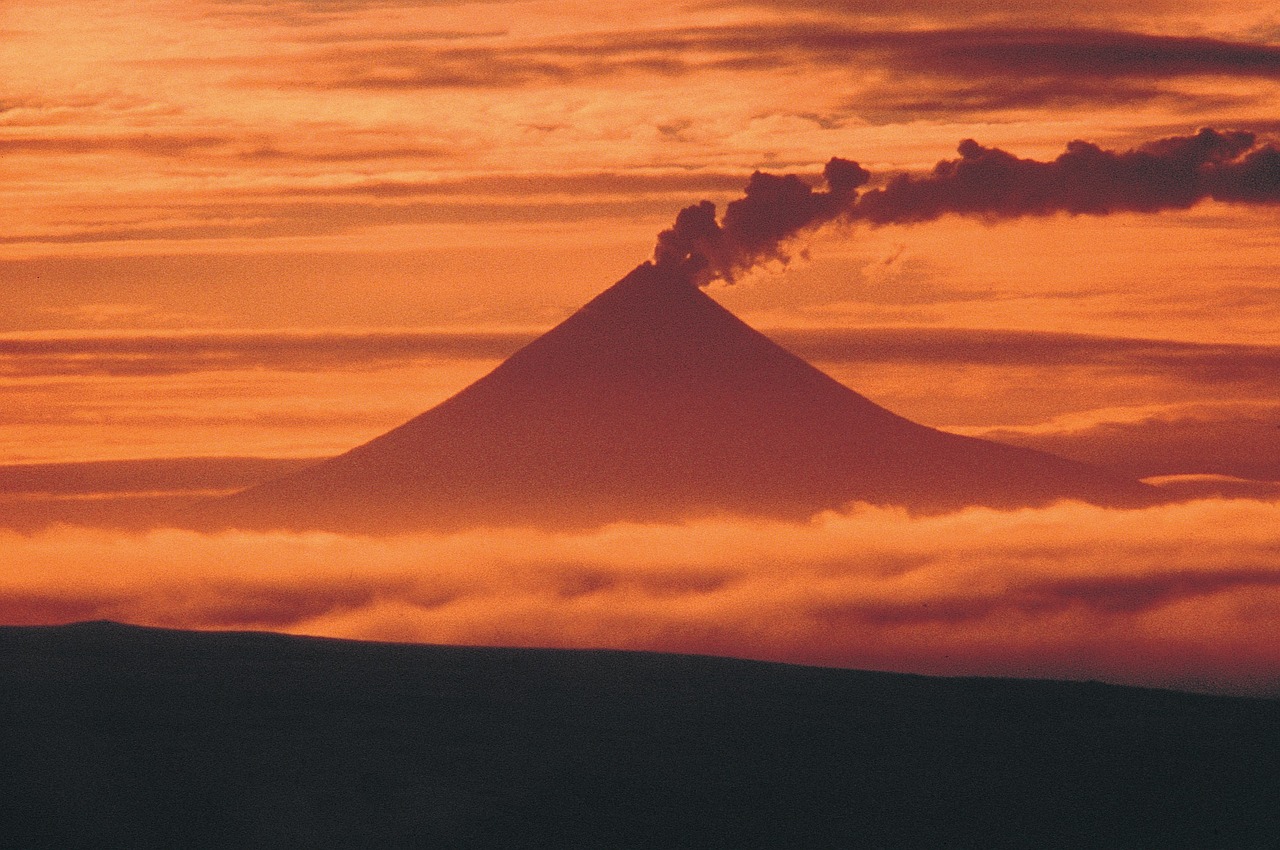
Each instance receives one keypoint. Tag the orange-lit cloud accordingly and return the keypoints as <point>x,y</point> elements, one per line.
<point>1238,439</point>
<point>1147,406</point>
<point>124,353</point>
<point>179,353</point>
<point>1065,56</point>
<point>273,171</point>
<point>1182,595</point>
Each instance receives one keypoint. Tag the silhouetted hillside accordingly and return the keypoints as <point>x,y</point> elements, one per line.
<point>118,736</point>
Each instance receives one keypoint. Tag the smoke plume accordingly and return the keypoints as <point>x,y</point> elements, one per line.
<point>989,183</point>
<point>756,227</point>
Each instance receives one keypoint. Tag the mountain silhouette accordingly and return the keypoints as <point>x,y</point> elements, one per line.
<point>120,736</point>
<point>654,403</point>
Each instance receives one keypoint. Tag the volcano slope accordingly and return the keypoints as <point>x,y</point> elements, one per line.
<point>654,403</point>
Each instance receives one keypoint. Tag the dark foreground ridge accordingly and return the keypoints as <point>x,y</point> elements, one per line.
<point>118,736</point>
<point>655,404</point>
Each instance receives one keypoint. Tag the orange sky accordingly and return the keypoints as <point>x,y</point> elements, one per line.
<point>277,229</point>
<point>333,167</point>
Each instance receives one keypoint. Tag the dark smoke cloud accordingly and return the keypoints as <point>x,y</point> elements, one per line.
<point>1173,173</point>
<point>756,227</point>
<point>989,183</point>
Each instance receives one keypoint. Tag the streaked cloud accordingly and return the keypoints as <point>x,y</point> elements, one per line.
<point>141,477</point>
<point>1192,362</point>
<point>1239,439</point>
<point>1019,67</point>
<point>145,354</point>
<point>142,353</point>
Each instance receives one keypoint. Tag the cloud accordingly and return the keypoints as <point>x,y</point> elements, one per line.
<point>1058,63</point>
<point>1238,439</point>
<point>1183,595</point>
<point>1168,174</point>
<point>311,13</point>
<point>290,218</point>
<point>142,478</point>
<point>755,227</point>
<point>963,10</point>
<point>1174,173</point>
<point>1078,54</point>
<point>159,354</point>
<point>533,185</point>
<point>1210,364</point>
<point>931,98</point>
<point>147,144</point>
<point>329,204</point>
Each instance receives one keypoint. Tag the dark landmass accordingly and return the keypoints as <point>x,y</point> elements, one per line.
<point>119,736</point>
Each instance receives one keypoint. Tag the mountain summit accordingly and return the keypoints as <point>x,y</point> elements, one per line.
<point>654,403</point>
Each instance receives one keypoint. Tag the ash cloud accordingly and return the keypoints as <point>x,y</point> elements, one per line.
<point>756,227</point>
<point>1169,174</point>
<point>1174,173</point>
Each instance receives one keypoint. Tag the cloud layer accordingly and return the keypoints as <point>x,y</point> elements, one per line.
<point>179,352</point>
<point>1182,595</point>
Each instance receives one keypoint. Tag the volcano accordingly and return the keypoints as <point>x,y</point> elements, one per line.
<point>653,403</point>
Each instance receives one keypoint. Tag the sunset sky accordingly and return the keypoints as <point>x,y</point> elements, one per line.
<point>277,229</point>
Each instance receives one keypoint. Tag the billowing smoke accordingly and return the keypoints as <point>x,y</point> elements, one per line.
<point>755,228</point>
<point>1168,174</point>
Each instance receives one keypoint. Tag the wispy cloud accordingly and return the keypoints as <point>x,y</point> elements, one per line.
<point>182,353</point>
<point>1192,362</point>
<point>145,144</point>
<point>141,477</point>
<point>143,353</point>
<point>1237,438</point>
<point>1027,66</point>
<point>309,218</point>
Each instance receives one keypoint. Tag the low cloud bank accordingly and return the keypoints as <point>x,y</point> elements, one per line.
<point>1239,439</point>
<point>1185,595</point>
